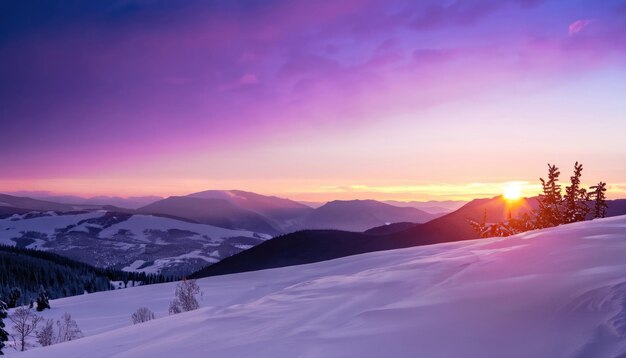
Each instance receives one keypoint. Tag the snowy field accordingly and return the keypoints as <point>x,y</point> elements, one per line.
<point>554,293</point>
<point>142,243</point>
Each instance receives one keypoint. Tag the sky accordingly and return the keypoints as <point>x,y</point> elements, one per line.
<point>312,100</point>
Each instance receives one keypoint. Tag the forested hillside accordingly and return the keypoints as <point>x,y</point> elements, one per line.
<point>23,272</point>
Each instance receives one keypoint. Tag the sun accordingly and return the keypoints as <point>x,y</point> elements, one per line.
<point>512,191</point>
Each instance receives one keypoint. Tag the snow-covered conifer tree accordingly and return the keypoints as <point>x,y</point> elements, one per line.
<point>575,207</point>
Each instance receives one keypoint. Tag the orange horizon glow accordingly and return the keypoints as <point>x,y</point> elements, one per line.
<point>295,189</point>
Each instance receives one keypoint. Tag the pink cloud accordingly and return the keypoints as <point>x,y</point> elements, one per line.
<point>578,25</point>
<point>248,79</point>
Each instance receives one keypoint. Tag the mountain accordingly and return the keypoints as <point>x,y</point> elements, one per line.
<point>236,209</point>
<point>359,215</point>
<point>272,207</point>
<point>216,212</point>
<point>10,204</point>
<point>29,270</point>
<point>318,245</point>
<point>551,293</point>
<point>312,204</point>
<point>390,228</point>
<point>131,242</point>
<point>132,202</point>
<point>431,206</point>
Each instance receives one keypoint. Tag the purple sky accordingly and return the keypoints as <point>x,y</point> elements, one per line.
<point>309,99</point>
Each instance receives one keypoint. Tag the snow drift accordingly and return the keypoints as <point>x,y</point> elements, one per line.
<point>553,293</point>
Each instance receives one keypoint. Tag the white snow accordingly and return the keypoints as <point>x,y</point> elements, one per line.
<point>138,224</point>
<point>44,224</point>
<point>556,293</point>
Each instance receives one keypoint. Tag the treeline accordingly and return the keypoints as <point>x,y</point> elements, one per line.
<point>25,272</point>
<point>555,207</point>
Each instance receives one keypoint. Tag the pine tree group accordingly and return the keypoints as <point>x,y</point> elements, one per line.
<point>553,208</point>
<point>23,273</point>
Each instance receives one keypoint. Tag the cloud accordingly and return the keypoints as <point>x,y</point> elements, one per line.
<point>577,26</point>
<point>248,79</point>
<point>205,72</point>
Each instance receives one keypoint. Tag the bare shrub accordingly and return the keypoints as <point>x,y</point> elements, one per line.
<point>142,315</point>
<point>46,336</point>
<point>186,292</point>
<point>67,329</point>
<point>25,323</point>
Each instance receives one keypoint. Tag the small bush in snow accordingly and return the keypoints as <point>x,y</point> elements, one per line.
<point>67,330</point>
<point>46,336</point>
<point>186,292</point>
<point>175,307</point>
<point>142,315</point>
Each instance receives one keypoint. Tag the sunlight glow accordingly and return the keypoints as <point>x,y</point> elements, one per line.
<point>512,191</point>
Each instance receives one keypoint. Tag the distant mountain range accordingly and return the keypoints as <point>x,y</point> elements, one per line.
<point>132,202</point>
<point>310,246</point>
<point>431,206</point>
<point>178,235</point>
<point>238,209</point>
<point>10,205</point>
<point>358,215</point>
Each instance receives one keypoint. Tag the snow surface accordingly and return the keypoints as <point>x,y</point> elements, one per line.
<point>10,227</point>
<point>139,224</point>
<point>560,292</point>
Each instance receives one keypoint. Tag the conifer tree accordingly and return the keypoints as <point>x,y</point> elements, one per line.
<point>549,211</point>
<point>42,300</point>
<point>599,197</point>
<point>14,297</point>
<point>3,334</point>
<point>575,207</point>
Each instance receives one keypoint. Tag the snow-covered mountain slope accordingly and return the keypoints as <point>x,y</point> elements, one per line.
<point>553,293</point>
<point>145,243</point>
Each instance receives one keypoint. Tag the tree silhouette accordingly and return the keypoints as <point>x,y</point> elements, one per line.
<point>549,212</point>
<point>599,197</point>
<point>575,206</point>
